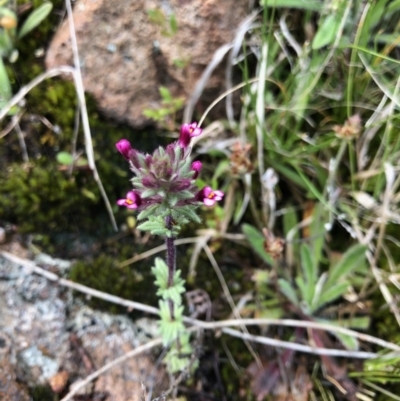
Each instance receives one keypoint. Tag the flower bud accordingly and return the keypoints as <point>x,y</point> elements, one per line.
<point>196,167</point>
<point>124,147</point>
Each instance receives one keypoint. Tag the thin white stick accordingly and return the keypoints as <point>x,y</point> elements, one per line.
<point>294,323</point>
<point>299,347</point>
<point>32,267</point>
<point>84,115</point>
<point>108,366</point>
<point>22,142</point>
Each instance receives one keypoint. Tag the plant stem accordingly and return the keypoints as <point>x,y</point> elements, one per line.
<point>171,260</point>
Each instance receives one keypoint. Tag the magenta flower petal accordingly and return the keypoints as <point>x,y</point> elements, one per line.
<point>131,196</point>
<point>207,191</point>
<point>208,196</point>
<point>187,132</point>
<point>132,200</point>
<point>208,202</point>
<point>124,147</point>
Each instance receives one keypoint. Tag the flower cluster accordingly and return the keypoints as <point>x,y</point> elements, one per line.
<point>164,182</point>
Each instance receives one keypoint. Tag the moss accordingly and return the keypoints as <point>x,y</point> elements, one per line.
<point>41,393</point>
<point>40,200</point>
<point>104,274</point>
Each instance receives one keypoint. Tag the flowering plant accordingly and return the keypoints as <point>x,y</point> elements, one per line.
<point>166,196</point>
<point>164,184</point>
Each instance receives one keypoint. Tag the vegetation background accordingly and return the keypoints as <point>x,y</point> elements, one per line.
<point>310,170</point>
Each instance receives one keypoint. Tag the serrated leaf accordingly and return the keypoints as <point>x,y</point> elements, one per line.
<point>185,195</point>
<point>148,192</point>
<point>190,214</point>
<point>153,225</point>
<point>35,18</point>
<point>148,212</point>
<point>288,291</point>
<point>256,240</point>
<point>349,262</point>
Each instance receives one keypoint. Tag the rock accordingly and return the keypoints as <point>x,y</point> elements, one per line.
<point>58,340</point>
<point>105,337</point>
<point>125,57</point>
<point>33,312</point>
<point>10,389</point>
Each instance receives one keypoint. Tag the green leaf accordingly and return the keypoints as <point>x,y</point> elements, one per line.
<point>289,173</point>
<point>89,194</point>
<point>331,293</point>
<point>327,32</point>
<point>189,212</point>
<point>310,270</point>
<point>151,210</point>
<point>311,5</point>
<point>173,24</point>
<point>303,290</point>
<point>393,6</point>
<point>350,261</point>
<point>148,192</point>
<point>5,86</point>
<point>349,342</point>
<point>65,158</point>
<point>374,17</point>
<point>256,240</point>
<point>360,322</point>
<point>35,18</point>
<point>317,231</point>
<point>165,94</point>
<point>155,225</point>
<point>308,265</point>
<point>288,291</point>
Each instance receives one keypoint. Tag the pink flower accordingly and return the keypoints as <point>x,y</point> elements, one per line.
<point>188,131</point>
<point>208,196</point>
<point>132,200</point>
<point>196,167</point>
<point>124,147</point>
